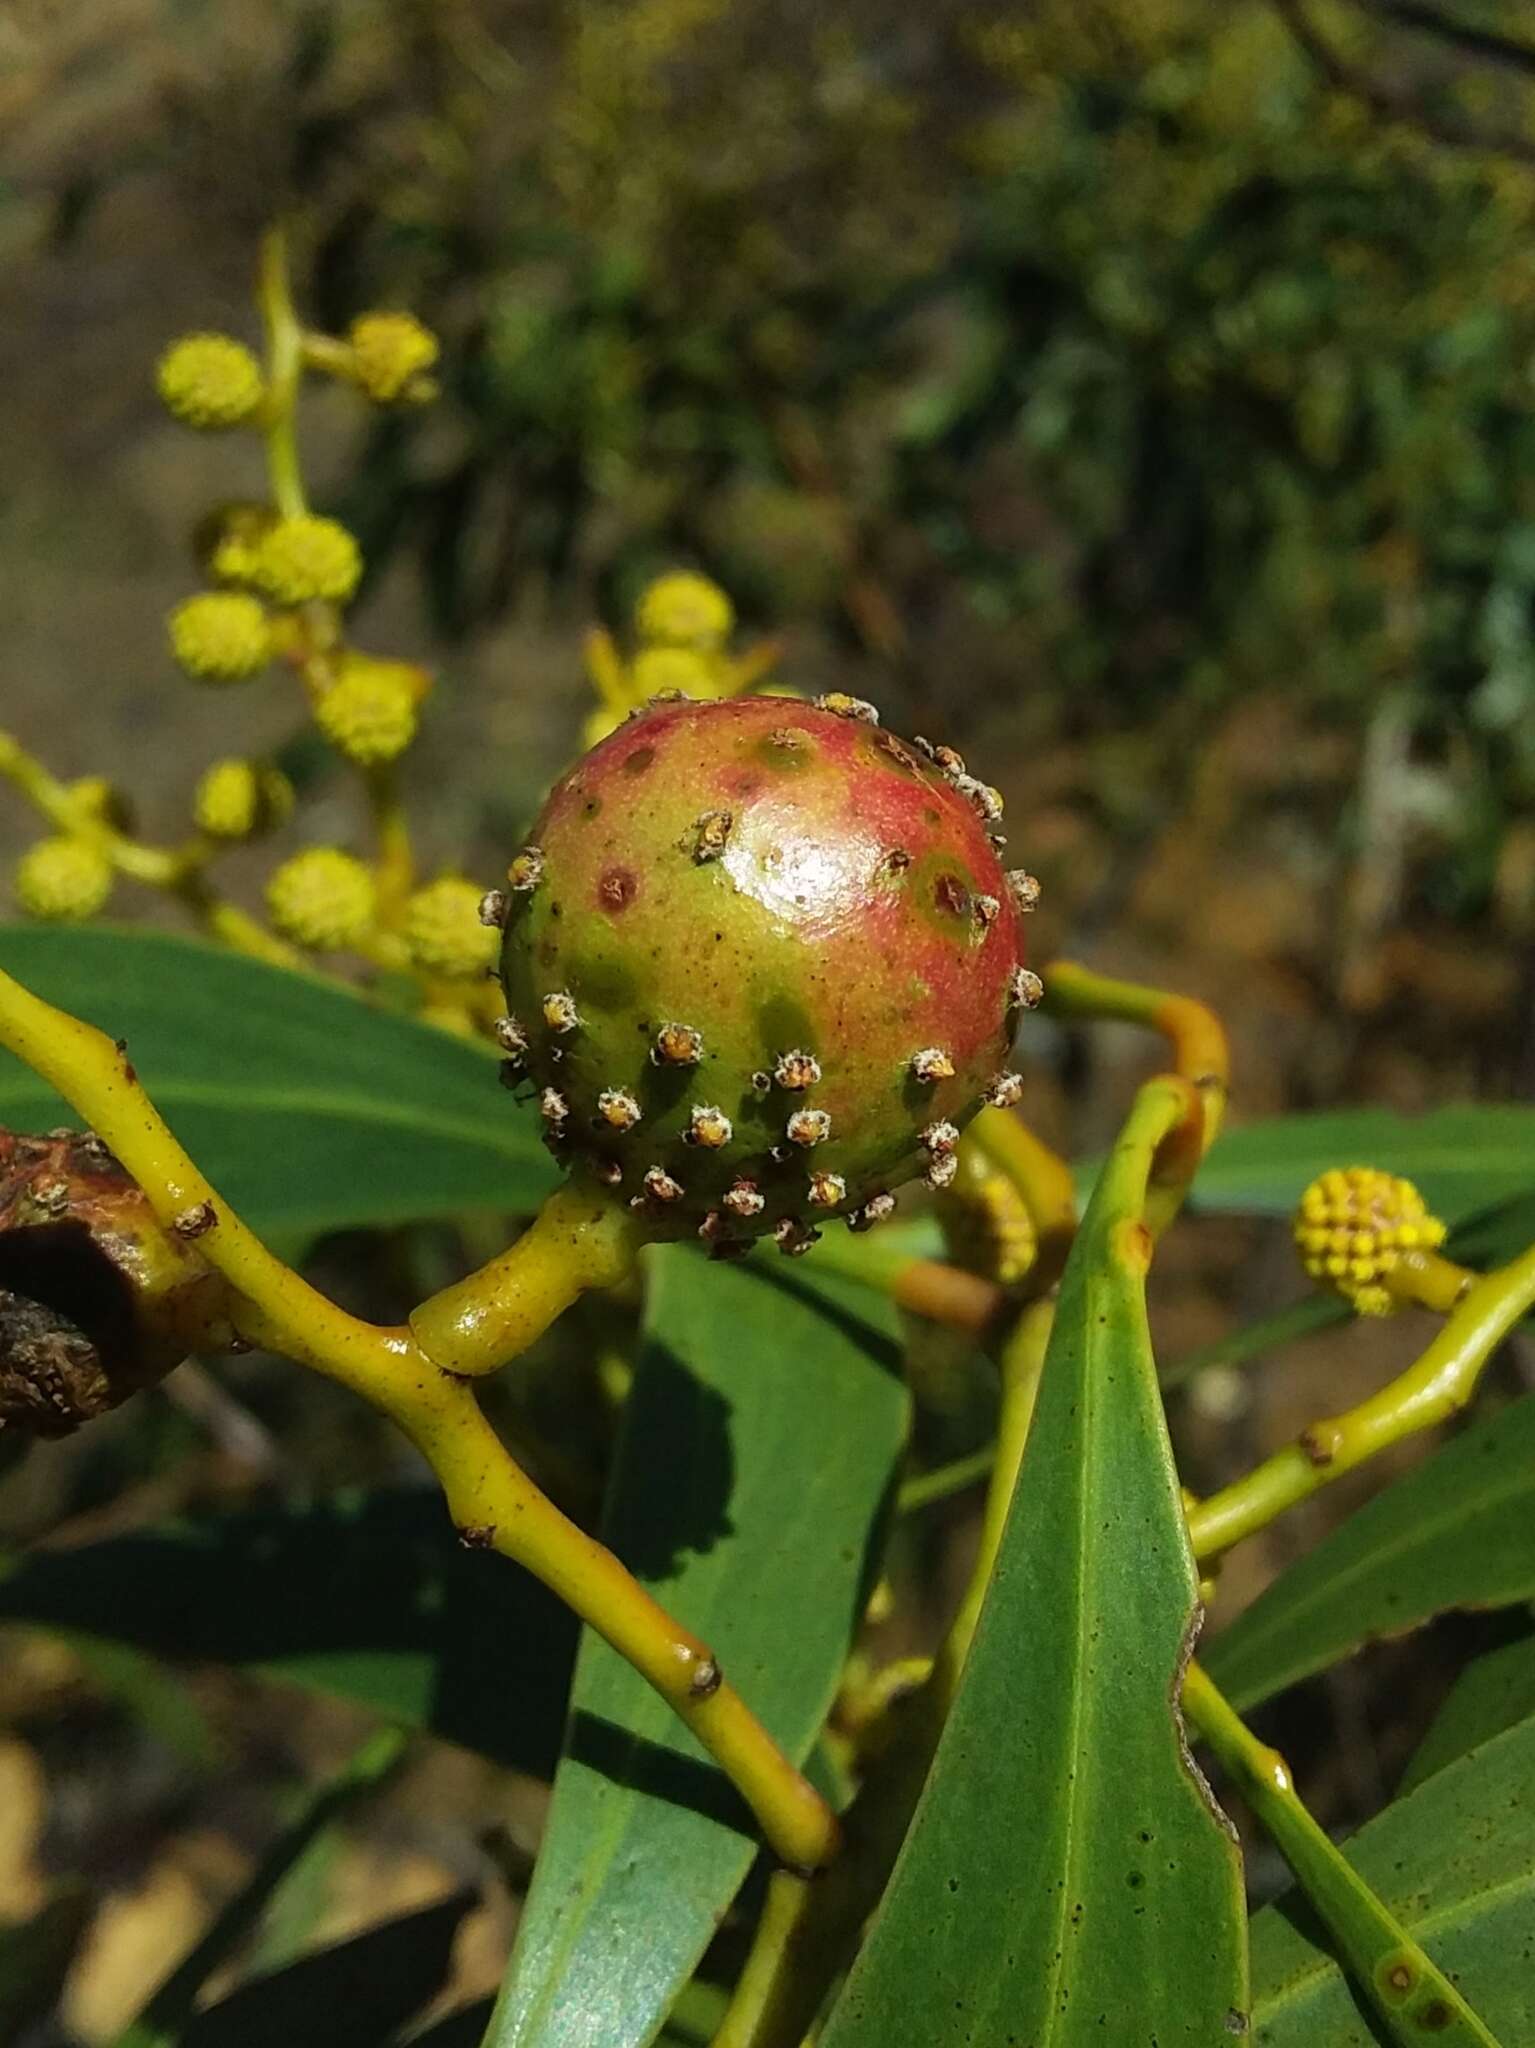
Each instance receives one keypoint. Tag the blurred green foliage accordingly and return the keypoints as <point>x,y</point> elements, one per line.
<point>1131,353</point>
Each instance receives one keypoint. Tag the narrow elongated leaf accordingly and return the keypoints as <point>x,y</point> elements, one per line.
<point>1462,1157</point>
<point>394,1613</point>
<point>1455,1861</point>
<point>1065,1880</point>
<point>1494,1692</point>
<point>763,1435</point>
<point>1456,1531</point>
<point>310,1109</point>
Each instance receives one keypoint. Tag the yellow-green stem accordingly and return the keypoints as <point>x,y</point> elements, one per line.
<point>581,1238</point>
<point>1194,1033</point>
<point>490,1498</point>
<point>1413,1997</point>
<point>284,367</point>
<point>394,860</point>
<point>1438,1386</point>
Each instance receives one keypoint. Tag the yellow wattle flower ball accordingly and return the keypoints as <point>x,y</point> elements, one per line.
<point>684,610</point>
<point>306,558</point>
<point>369,712</point>
<point>220,636</point>
<point>323,899</point>
<point>1352,1226</point>
<point>210,381</point>
<point>236,799</point>
<point>444,933</point>
<point>681,671</point>
<point>63,880</point>
<point>391,354</point>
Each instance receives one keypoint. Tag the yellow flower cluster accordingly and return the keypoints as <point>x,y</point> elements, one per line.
<point>322,899</point>
<point>684,610</point>
<point>391,355</point>
<point>220,636</point>
<point>306,559</point>
<point>237,799</point>
<point>1352,1227</point>
<point>369,712</point>
<point>63,880</point>
<point>682,624</point>
<point>444,933</point>
<point>210,381</point>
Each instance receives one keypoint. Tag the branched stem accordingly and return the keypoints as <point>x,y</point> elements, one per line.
<point>491,1499</point>
<point>1438,1386</point>
<point>1195,1035</point>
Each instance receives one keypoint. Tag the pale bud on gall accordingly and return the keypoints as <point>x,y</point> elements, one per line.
<point>677,1045</point>
<point>808,1127</point>
<point>843,706</point>
<point>932,1064</point>
<point>618,1109</point>
<point>560,1012</point>
<point>526,869</point>
<point>709,1126</point>
<point>796,1070</point>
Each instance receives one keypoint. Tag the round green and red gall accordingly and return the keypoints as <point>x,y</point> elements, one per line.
<point>762,962</point>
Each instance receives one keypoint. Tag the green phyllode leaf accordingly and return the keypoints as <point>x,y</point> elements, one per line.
<point>1495,1691</point>
<point>308,1108</point>
<point>1455,1862</point>
<point>1066,1879</point>
<point>402,1618</point>
<point>1461,1158</point>
<point>762,1439</point>
<point>1456,1531</point>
